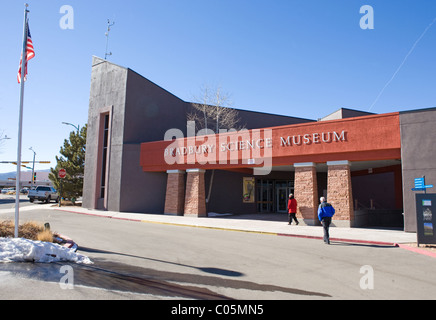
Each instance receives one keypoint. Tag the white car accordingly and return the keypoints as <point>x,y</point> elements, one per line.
<point>43,193</point>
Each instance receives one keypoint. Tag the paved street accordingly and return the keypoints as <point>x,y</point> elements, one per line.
<point>139,260</point>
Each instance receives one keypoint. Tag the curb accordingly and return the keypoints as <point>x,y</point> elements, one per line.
<point>207,227</point>
<point>376,243</point>
<point>418,250</point>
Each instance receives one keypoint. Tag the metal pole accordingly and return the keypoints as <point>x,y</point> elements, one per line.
<point>70,124</point>
<point>33,167</point>
<point>109,25</point>
<point>20,124</point>
<point>60,194</point>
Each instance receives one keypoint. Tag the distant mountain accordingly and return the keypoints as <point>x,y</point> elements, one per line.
<point>12,175</point>
<point>6,176</point>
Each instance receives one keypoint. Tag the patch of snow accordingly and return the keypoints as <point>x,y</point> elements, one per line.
<point>24,250</point>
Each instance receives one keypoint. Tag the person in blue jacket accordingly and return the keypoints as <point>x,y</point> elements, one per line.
<point>325,214</point>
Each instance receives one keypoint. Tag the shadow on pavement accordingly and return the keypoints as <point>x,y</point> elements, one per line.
<point>219,271</point>
<point>110,275</point>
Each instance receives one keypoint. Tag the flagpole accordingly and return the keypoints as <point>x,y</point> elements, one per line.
<point>20,123</point>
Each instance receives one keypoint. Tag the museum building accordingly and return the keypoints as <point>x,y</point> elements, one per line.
<point>142,155</point>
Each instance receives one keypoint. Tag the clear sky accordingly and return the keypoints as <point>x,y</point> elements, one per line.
<point>304,58</point>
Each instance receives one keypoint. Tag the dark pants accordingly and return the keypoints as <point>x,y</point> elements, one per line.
<point>326,221</point>
<point>292,216</point>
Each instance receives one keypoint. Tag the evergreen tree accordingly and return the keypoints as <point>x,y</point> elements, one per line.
<point>72,159</point>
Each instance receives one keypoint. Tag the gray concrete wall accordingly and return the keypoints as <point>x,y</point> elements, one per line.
<point>255,120</point>
<point>418,156</point>
<point>149,112</point>
<point>107,92</point>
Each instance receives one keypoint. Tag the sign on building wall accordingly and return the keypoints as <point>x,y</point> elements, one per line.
<point>248,190</point>
<point>420,185</point>
<point>426,218</point>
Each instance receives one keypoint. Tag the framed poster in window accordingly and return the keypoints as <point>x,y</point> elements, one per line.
<point>248,190</point>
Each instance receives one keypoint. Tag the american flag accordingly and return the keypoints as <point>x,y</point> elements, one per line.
<point>30,54</point>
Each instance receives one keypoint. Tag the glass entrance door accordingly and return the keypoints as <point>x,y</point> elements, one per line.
<point>282,199</point>
<point>272,195</point>
<point>265,198</point>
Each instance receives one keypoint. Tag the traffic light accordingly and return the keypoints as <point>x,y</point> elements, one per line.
<point>34,177</point>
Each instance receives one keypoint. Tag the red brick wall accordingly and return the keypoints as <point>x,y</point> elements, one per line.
<point>195,200</point>
<point>175,195</point>
<point>306,193</point>
<point>339,192</point>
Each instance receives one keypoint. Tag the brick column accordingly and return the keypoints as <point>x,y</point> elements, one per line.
<point>175,196</point>
<point>339,192</point>
<point>306,192</point>
<point>195,200</point>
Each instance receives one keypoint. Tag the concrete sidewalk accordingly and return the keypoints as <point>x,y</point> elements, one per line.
<point>251,223</point>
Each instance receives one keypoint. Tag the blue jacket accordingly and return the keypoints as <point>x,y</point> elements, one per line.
<point>325,210</point>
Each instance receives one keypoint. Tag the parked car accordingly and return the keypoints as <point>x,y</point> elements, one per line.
<point>43,193</point>
<point>8,190</point>
<point>24,190</point>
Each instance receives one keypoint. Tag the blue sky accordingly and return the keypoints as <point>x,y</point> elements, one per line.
<point>304,58</point>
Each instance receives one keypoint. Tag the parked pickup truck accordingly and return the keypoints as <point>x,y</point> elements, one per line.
<point>43,193</point>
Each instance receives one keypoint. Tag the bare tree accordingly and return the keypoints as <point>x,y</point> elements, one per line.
<point>214,111</point>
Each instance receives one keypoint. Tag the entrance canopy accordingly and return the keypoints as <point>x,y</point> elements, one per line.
<point>368,138</point>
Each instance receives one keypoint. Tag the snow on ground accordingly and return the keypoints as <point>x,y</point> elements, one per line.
<point>24,250</point>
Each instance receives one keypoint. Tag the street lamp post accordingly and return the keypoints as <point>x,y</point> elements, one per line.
<point>70,124</point>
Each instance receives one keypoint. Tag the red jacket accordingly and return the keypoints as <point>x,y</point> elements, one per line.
<point>292,206</point>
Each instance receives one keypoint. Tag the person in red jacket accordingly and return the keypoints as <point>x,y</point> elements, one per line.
<point>292,209</point>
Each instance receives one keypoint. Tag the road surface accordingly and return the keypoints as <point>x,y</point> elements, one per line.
<point>134,260</point>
